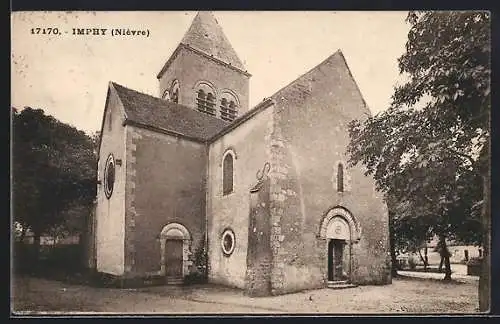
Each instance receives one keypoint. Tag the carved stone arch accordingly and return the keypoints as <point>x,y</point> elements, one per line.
<point>343,213</point>
<point>204,84</point>
<point>229,150</point>
<point>176,231</point>
<point>231,94</point>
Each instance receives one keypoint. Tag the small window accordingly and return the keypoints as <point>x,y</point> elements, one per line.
<point>109,176</point>
<point>227,174</point>
<point>340,178</point>
<point>228,242</point>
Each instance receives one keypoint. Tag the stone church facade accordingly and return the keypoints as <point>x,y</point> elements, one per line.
<point>265,193</point>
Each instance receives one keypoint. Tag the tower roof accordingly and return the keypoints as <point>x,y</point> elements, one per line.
<point>206,35</point>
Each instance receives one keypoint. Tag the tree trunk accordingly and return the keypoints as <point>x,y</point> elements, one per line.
<point>422,259</point>
<point>394,261</point>
<point>445,256</point>
<point>36,250</point>
<point>484,278</point>
<point>426,258</point>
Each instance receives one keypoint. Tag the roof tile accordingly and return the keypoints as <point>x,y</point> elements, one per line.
<point>165,115</point>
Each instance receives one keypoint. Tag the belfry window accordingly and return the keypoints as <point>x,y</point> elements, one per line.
<point>173,94</point>
<point>227,174</point>
<point>166,95</point>
<point>228,107</point>
<point>205,102</point>
<point>340,178</point>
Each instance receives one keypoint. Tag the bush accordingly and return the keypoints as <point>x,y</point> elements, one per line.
<point>52,260</point>
<point>195,278</point>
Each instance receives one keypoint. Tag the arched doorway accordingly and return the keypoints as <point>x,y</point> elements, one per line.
<point>175,243</point>
<point>340,230</point>
<point>339,237</point>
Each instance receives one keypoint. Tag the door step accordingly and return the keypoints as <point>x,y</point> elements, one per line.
<point>174,281</point>
<point>341,284</point>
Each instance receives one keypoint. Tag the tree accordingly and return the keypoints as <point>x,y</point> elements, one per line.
<point>430,149</point>
<point>54,167</point>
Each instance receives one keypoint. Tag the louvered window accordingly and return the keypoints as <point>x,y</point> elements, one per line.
<point>227,110</point>
<point>206,102</point>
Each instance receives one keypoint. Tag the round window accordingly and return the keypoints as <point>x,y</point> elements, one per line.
<point>228,242</point>
<point>109,176</point>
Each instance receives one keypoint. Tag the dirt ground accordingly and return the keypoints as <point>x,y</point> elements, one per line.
<point>33,295</point>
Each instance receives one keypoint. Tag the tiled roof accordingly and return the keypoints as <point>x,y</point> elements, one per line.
<point>206,35</point>
<point>164,115</point>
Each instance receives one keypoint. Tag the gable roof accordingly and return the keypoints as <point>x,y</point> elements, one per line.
<point>339,61</point>
<point>160,115</point>
<point>206,35</point>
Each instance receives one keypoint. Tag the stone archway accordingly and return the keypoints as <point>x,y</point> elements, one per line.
<point>340,230</point>
<point>355,229</point>
<point>175,246</point>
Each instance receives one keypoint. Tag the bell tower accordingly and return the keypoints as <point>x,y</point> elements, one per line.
<point>205,73</point>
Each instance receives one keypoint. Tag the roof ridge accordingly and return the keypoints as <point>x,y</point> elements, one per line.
<point>337,52</point>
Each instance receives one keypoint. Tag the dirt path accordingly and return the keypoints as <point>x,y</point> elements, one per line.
<point>402,296</point>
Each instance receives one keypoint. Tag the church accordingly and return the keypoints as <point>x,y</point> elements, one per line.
<point>194,181</point>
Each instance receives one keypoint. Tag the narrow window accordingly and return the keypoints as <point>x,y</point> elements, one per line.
<point>174,91</point>
<point>227,174</point>
<point>200,100</point>
<point>340,178</point>
<point>210,104</point>
<point>175,96</point>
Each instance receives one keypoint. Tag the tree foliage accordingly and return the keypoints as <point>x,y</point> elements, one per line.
<point>429,150</point>
<point>54,168</point>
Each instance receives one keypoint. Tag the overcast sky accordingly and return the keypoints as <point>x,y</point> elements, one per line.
<point>67,76</point>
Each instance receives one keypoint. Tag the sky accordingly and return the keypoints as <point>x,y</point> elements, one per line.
<point>67,76</point>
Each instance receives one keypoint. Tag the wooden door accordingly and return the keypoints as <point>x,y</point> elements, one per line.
<point>338,256</point>
<point>173,258</point>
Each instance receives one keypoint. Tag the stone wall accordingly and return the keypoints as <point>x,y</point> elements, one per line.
<point>110,213</point>
<point>308,140</point>
<point>248,144</point>
<point>189,68</point>
<point>166,177</point>
<point>259,254</point>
